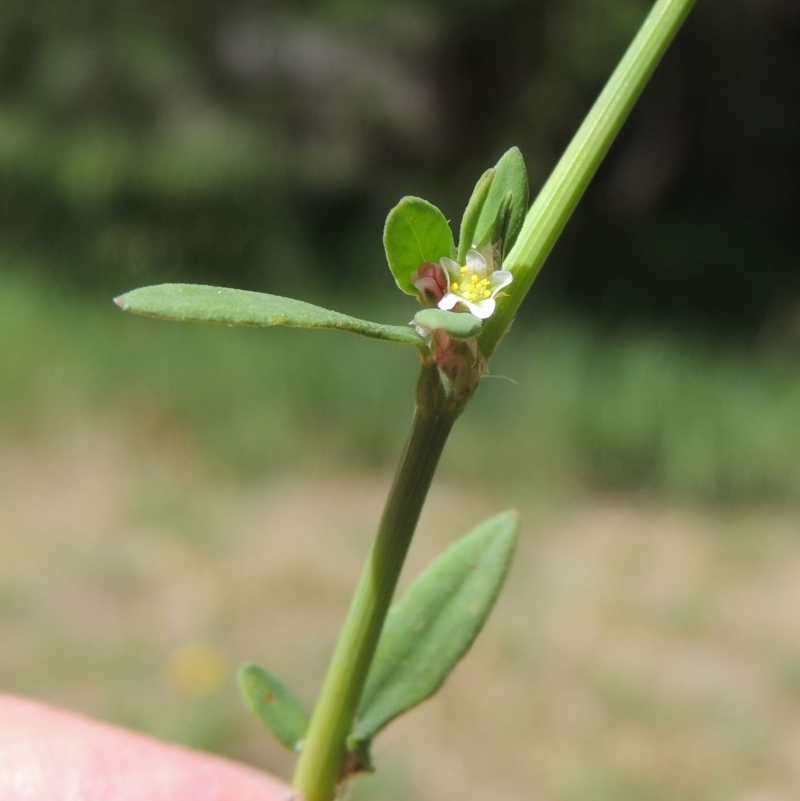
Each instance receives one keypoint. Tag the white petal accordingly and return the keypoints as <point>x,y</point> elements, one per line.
<point>475,262</point>
<point>449,301</point>
<point>453,268</point>
<point>500,279</point>
<point>483,309</point>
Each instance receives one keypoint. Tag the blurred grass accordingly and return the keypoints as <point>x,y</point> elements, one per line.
<point>570,408</point>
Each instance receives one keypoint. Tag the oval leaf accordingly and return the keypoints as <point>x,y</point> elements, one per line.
<point>510,177</point>
<point>434,624</point>
<point>460,325</point>
<point>416,232</point>
<point>466,238</point>
<point>275,705</point>
<point>210,304</point>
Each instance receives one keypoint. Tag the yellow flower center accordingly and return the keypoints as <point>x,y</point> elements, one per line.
<point>474,289</point>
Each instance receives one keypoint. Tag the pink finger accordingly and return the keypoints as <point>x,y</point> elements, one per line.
<point>47,754</point>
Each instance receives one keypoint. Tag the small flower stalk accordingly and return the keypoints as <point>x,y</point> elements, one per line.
<point>456,364</point>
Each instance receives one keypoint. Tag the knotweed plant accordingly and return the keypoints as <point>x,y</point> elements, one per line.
<point>391,657</point>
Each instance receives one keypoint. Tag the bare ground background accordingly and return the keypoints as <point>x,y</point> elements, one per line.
<point>640,650</point>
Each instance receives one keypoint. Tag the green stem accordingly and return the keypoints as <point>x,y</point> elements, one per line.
<point>560,195</point>
<point>324,748</point>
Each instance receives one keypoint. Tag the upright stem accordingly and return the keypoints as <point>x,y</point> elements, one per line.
<point>324,749</point>
<point>560,195</point>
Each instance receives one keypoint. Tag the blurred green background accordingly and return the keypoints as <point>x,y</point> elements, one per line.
<point>645,410</point>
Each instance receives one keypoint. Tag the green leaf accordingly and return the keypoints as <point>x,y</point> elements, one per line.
<point>416,232</point>
<point>275,705</point>
<point>510,177</point>
<point>503,220</point>
<point>434,624</point>
<point>460,325</point>
<point>210,304</point>
<point>472,212</point>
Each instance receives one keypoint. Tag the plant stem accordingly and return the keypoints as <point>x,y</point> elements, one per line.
<point>560,195</point>
<point>324,749</point>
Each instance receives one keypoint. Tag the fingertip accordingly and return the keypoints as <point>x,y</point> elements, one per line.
<point>48,754</point>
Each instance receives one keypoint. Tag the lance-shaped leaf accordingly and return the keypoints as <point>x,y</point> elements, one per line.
<point>210,304</point>
<point>416,232</point>
<point>466,237</point>
<point>275,705</point>
<point>510,177</point>
<point>502,222</point>
<point>434,624</point>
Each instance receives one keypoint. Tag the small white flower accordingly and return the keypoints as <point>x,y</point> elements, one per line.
<point>474,285</point>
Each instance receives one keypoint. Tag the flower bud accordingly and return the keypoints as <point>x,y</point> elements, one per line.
<point>431,281</point>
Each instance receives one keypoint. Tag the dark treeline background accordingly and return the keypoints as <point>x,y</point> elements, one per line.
<point>261,145</point>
